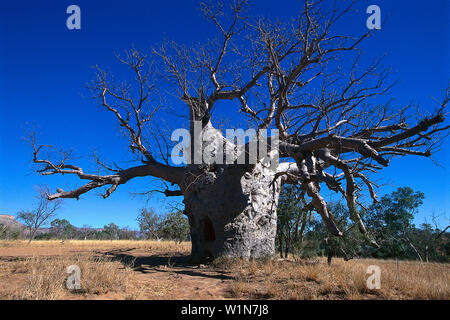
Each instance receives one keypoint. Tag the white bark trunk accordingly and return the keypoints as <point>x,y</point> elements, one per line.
<point>232,212</point>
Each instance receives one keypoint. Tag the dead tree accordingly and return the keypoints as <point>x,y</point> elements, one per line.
<point>299,77</point>
<point>44,211</point>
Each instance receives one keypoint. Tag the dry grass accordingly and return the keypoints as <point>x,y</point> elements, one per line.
<point>42,274</point>
<point>342,280</point>
<point>46,276</point>
<point>156,246</point>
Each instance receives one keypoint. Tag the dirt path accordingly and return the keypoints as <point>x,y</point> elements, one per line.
<point>172,276</point>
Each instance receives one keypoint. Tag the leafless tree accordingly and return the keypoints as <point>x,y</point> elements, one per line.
<point>300,77</point>
<point>434,238</point>
<point>44,211</point>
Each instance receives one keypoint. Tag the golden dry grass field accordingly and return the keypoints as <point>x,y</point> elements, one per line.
<point>160,270</point>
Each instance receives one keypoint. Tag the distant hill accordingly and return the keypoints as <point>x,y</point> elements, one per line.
<point>11,222</point>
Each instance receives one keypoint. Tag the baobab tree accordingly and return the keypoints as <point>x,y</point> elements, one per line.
<point>300,77</point>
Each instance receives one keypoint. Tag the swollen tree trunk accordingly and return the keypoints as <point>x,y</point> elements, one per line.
<point>232,212</point>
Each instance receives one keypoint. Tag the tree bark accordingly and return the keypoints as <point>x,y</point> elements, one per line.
<point>232,212</point>
<point>32,234</point>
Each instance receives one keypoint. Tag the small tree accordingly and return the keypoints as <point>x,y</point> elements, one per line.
<point>62,229</point>
<point>175,226</point>
<point>292,218</point>
<point>45,210</point>
<point>432,243</point>
<point>112,230</point>
<point>150,223</point>
<point>390,220</point>
<point>326,243</point>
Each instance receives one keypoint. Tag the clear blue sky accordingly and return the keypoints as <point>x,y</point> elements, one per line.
<point>44,68</point>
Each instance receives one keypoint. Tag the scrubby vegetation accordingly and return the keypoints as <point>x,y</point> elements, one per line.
<point>389,221</point>
<point>170,226</point>
<point>314,279</point>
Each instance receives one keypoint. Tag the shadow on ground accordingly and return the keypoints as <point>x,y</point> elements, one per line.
<point>178,264</point>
